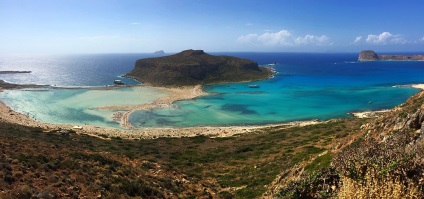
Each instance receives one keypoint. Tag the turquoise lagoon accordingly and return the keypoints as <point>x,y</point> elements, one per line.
<point>307,86</point>
<point>77,106</point>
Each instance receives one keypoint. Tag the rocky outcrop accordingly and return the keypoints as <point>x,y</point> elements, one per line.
<point>408,117</point>
<point>193,67</point>
<point>369,55</point>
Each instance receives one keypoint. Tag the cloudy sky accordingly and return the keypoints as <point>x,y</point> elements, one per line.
<point>135,26</point>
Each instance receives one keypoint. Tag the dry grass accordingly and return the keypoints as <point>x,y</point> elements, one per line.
<point>375,186</point>
<point>375,169</point>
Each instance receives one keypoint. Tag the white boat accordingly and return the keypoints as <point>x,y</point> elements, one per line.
<point>273,64</point>
<point>254,86</point>
<point>117,81</point>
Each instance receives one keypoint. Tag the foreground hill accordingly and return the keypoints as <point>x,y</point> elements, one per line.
<point>369,55</point>
<point>386,160</point>
<point>193,67</point>
<point>343,158</point>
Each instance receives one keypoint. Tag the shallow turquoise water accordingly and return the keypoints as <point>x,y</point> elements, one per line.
<point>307,86</point>
<point>76,106</point>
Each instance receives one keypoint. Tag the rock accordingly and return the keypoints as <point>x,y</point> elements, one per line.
<point>367,55</point>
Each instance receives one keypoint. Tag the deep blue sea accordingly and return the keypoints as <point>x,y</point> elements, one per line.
<point>307,86</point>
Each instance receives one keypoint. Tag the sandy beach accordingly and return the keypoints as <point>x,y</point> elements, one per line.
<point>419,86</point>
<point>172,95</point>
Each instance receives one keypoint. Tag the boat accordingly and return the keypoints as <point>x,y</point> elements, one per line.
<point>254,86</point>
<point>273,64</point>
<point>117,81</point>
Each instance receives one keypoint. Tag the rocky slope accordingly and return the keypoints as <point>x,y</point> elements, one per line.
<point>386,160</point>
<point>193,67</point>
<point>369,55</point>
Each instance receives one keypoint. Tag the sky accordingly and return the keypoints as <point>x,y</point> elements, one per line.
<point>143,26</point>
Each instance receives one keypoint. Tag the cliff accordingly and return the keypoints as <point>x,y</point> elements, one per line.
<point>369,55</point>
<point>192,67</point>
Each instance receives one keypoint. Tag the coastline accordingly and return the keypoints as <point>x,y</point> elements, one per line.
<point>172,95</point>
<point>371,114</point>
<point>11,116</point>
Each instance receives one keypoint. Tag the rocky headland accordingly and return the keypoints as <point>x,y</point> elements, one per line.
<point>369,55</point>
<point>194,67</point>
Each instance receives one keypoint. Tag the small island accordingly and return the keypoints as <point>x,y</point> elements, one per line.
<point>195,67</point>
<point>369,55</point>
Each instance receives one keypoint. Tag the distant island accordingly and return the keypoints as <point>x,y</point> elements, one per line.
<point>369,55</point>
<point>159,52</point>
<point>12,72</point>
<point>194,67</point>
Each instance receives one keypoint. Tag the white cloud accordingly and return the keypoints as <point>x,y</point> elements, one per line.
<point>385,38</point>
<point>284,38</point>
<point>135,23</point>
<point>247,38</point>
<point>249,24</point>
<point>357,39</point>
<point>311,39</point>
<point>422,38</point>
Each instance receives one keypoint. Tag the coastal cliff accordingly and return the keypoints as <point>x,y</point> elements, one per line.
<point>369,55</point>
<point>193,67</point>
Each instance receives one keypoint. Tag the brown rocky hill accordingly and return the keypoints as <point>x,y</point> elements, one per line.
<point>192,67</point>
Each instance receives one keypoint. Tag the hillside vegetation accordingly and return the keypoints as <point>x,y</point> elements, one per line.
<point>345,158</point>
<point>385,161</point>
<point>193,67</point>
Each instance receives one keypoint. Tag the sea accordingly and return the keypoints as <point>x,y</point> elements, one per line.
<point>306,86</point>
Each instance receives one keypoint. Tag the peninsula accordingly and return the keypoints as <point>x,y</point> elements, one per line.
<point>195,67</point>
<point>369,55</point>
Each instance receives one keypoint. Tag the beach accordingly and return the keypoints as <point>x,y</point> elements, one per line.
<point>172,95</point>
<point>419,86</point>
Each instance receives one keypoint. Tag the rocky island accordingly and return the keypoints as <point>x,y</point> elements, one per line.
<point>194,67</point>
<point>369,55</point>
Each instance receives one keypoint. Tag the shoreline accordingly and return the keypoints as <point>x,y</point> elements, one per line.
<point>11,116</point>
<point>172,94</point>
<point>373,114</point>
